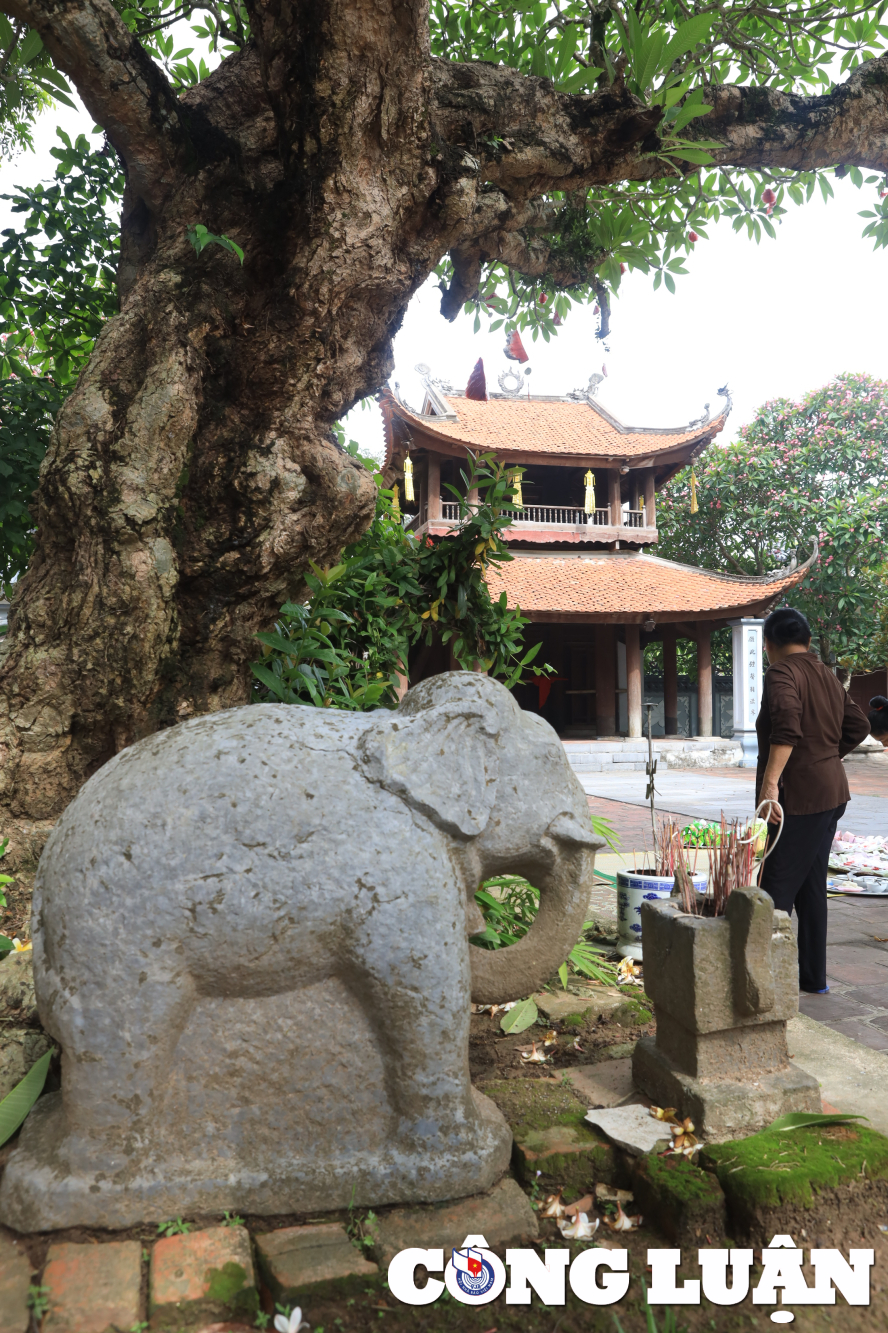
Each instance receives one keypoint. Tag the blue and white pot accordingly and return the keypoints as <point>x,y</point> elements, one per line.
<point>632,890</point>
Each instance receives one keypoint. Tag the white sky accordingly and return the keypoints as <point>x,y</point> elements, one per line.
<point>772,320</point>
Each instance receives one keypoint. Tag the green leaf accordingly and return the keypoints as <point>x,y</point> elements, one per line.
<point>15,1107</point>
<point>31,46</point>
<point>696,155</point>
<point>562,975</point>
<point>687,36</point>
<point>800,1119</point>
<point>523,1015</point>
<point>6,945</point>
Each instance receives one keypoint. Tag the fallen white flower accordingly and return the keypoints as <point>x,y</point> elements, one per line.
<point>291,1325</point>
<point>580,1229</point>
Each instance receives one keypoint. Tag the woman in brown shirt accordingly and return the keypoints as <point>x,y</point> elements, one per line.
<point>806,725</point>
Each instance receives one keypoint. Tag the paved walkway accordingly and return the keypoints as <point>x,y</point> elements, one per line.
<point>857,942</point>
<point>705,793</point>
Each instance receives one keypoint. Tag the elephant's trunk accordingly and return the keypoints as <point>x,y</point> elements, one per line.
<point>520,969</point>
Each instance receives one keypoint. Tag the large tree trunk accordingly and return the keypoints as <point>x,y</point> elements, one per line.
<point>193,472</point>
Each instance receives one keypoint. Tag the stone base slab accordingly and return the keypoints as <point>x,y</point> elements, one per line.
<point>44,1190</point>
<point>723,1110</point>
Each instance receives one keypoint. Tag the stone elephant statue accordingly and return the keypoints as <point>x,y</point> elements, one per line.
<point>251,943</point>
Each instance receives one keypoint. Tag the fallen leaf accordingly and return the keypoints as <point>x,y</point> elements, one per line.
<point>579,1229</point>
<point>581,1206</point>
<point>622,1222</point>
<point>883,939</point>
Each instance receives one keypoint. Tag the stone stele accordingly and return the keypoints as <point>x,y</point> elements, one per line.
<point>251,944</point>
<point>723,989</point>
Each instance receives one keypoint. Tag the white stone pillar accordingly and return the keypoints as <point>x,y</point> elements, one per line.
<point>746,644</point>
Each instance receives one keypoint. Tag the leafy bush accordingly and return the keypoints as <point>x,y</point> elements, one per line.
<point>347,644</point>
<point>509,905</point>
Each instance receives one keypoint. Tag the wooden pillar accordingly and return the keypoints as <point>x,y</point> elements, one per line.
<point>605,680</point>
<point>670,682</point>
<point>433,487</point>
<point>650,500</point>
<point>704,678</point>
<point>613,497</point>
<point>633,679</point>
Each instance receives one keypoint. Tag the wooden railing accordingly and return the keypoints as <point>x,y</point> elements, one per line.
<point>555,515</point>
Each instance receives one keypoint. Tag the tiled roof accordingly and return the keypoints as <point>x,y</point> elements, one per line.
<point>633,585</point>
<point>554,426</point>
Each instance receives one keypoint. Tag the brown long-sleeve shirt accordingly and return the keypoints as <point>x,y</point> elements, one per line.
<point>803,705</point>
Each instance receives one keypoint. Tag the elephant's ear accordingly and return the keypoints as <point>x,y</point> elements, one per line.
<point>439,750</point>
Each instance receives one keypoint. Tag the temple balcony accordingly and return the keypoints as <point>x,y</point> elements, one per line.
<point>549,523</point>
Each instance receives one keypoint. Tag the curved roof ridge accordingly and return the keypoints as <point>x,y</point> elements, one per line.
<point>773,576</point>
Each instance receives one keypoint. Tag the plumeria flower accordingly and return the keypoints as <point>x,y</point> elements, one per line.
<point>552,1206</point>
<point>291,1325</point>
<point>535,1057</point>
<point>621,1221</point>
<point>579,1229</point>
<point>20,947</point>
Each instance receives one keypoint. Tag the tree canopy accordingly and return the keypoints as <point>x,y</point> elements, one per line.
<point>341,152</point>
<point>799,473</point>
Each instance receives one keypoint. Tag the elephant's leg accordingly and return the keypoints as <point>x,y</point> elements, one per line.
<point>117,1056</point>
<point>413,979</point>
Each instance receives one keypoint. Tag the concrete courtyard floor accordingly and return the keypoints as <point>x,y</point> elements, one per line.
<point>842,1038</point>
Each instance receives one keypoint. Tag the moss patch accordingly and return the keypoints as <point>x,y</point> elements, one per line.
<point>228,1286</point>
<point>631,1014</point>
<point>772,1170</point>
<point>531,1104</point>
<point>685,1203</point>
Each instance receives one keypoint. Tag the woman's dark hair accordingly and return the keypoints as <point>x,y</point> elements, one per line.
<point>878,715</point>
<point>787,625</point>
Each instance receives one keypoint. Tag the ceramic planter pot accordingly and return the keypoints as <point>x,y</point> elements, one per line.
<point>633,889</point>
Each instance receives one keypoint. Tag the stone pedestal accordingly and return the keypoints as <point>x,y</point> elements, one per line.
<point>723,989</point>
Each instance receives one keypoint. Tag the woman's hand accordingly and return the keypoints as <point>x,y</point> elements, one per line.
<point>773,814</point>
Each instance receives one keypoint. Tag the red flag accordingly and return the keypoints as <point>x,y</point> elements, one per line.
<point>477,385</point>
<point>514,348</point>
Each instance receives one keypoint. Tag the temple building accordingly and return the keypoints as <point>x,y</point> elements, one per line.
<point>583,570</point>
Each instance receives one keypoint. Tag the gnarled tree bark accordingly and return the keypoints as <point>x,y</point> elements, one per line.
<point>193,472</point>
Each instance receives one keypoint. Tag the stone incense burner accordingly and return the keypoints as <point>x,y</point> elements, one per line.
<point>723,989</point>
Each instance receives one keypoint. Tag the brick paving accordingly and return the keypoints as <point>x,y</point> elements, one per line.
<point>192,1267</point>
<point>92,1288</point>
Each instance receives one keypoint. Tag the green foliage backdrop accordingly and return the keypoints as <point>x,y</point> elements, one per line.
<point>798,472</point>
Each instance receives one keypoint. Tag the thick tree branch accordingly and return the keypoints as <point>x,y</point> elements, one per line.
<point>121,86</point>
<point>527,138</point>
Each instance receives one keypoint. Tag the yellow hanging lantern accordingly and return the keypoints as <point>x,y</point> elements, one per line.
<point>589,480</point>
<point>515,479</point>
<point>396,508</point>
<point>694,506</point>
<point>408,480</point>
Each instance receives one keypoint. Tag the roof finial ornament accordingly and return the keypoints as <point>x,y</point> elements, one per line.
<point>591,388</point>
<point>701,421</point>
<point>510,374</point>
<point>425,374</point>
